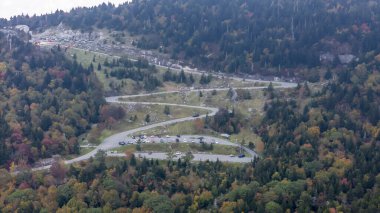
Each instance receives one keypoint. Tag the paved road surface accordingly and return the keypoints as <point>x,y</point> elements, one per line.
<point>197,157</point>
<point>190,139</point>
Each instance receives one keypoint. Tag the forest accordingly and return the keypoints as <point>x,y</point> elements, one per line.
<point>47,101</point>
<point>274,37</point>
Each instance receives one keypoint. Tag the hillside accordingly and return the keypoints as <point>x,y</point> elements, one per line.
<point>277,37</point>
<point>47,101</point>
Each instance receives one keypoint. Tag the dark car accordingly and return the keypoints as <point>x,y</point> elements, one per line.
<point>241,156</point>
<point>122,143</point>
<point>196,115</point>
<point>178,136</point>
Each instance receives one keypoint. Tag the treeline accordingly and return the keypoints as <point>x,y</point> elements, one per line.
<point>47,101</point>
<point>329,138</point>
<point>138,71</point>
<point>236,36</point>
<point>132,185</point>
<point>186,79</point>
<point>147,75</point>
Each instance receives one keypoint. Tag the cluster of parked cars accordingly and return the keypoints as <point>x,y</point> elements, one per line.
<point>161,139</point>
<point>152,139</point>
<point>144,139</point>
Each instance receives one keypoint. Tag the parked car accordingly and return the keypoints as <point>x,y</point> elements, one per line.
<point>231,155</point>
<point>196,115</point>
<point>122,143</point>
<point>241,156</point>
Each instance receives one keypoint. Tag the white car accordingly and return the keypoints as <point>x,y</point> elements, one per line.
<point>178,153</point>
<point>167,136</point>
<point>184,140</point>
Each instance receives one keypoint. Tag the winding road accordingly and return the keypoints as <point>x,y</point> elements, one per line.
<point>113,141</point>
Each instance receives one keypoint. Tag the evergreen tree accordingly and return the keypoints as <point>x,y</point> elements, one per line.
<point>167,110</point>
<point>147,118</point>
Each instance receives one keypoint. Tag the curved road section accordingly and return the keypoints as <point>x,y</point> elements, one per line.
<point>113,141</point>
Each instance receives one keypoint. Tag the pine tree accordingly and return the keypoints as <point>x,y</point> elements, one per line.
<point>147,118</point>
<point>167,110</point>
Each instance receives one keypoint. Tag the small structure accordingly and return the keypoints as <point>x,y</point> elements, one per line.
<point>326,57</point>
<point>24,28</point>
<point>225,135</point>
<point>346,59</point>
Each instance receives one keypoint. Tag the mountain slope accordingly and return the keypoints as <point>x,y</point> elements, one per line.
<point>239,36</point>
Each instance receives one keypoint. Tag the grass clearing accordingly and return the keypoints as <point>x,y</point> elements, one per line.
<point>85,150</point>
<point>127,86</point>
